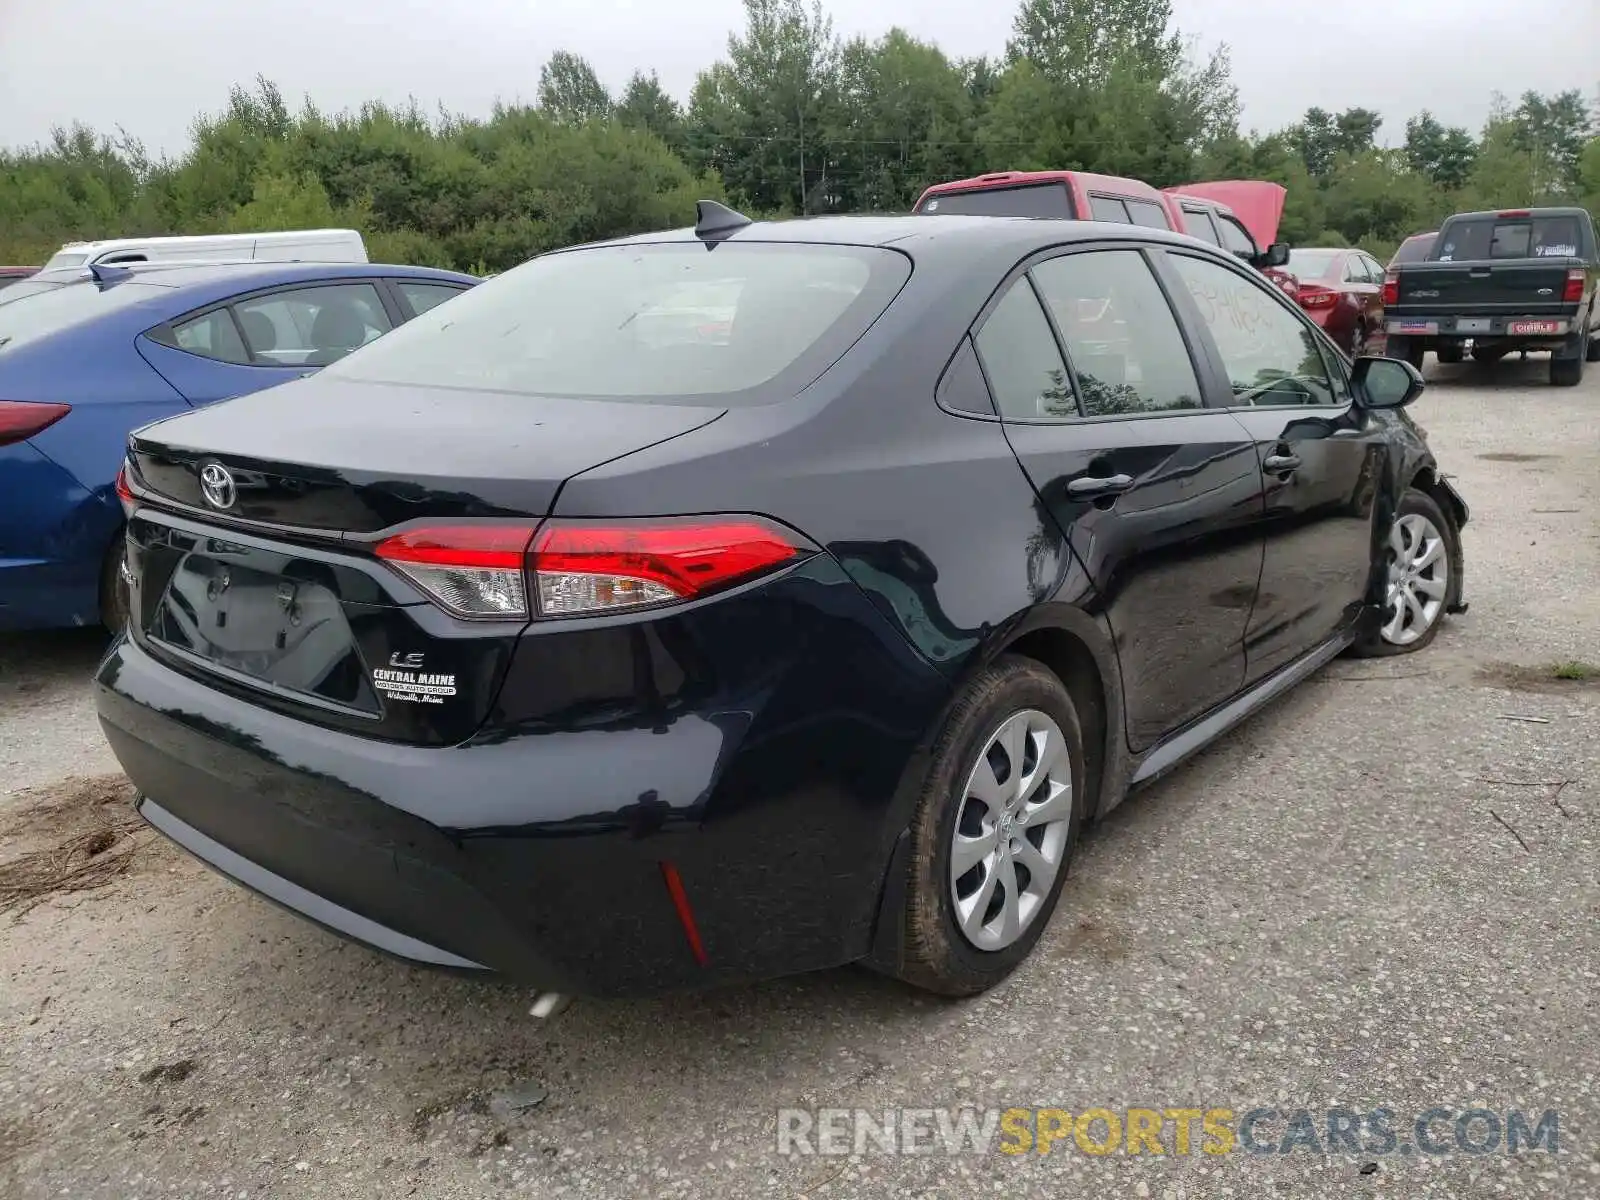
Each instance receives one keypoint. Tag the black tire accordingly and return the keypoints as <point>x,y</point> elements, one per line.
<point>1592,354</point>
<point>938,956</point>
<point>1407,350</point>
<point>1566,372</point>
<point>1414,500</point>
<point>1488,354</point>
<point>1449,353</point>
<point>113,587</point>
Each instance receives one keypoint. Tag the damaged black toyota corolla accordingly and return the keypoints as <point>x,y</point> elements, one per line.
<point>756,598</point>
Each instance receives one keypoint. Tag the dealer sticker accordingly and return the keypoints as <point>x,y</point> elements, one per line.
<point>414,687</point>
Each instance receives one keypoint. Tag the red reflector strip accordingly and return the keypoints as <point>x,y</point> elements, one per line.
<point>485,547</point>
<point>680,901</point>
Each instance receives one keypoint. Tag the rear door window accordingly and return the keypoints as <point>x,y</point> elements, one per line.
<point>1147,213</point>
<point>212,335</point>
<point>1198,223</point>
<point>1109,208</point>
<point>1120,333</point>
<point>1028,200</point>
<point>642,321</point>
<point>423,296</point>
<point>314,326</point>
<point>1022,360</point>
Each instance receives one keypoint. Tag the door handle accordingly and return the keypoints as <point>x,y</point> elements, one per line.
<point>1091,487</point>
<point>1275,463</point>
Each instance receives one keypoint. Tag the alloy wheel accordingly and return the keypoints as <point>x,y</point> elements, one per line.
<point>1419,578</point>
<point>1011,830</point>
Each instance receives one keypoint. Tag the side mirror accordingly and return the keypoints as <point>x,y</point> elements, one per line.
<point>1276,255</point>
<point>1385,382</point>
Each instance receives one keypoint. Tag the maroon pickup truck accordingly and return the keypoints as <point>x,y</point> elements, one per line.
<point>10,275</point>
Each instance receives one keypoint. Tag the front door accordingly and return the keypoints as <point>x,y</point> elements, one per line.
<point>1321,459</point>
<point>1158,497</point>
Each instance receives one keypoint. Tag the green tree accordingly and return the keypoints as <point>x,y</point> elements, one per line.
<point>646,105</point>
<point>1444,154</point>
<point>570,91</point>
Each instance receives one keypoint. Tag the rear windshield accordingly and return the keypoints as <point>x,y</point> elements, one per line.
<point>1312,264</point>
<point>1029,200</point>
<point>646,321</point>
<point>1413,249</point>
<point>41,313</point>
<point>1509,237</point>
<point>66,260</point>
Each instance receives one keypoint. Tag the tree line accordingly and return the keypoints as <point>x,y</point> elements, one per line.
<point>792,119</point>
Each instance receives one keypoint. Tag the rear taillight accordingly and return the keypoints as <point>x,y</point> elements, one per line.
<point>22,419</point>
<point>470,570</point>
<point>1311,296</point>
<point>585,567</point>
<point>1391,289</point>
<point>124,492</point>
<point>1573,292</point>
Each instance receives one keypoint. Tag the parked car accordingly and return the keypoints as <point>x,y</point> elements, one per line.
<point>1241,216</point>
<point>1342,291</point>
<point>1415,248</point>
<point>11,275</point>
<point>86,356</point>
<point>1519,279</point>
<point>619,663</point>
<point>1073,195</point>
<point>298,245</point>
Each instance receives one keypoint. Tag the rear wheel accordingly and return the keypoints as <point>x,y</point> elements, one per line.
<point>1420,583</point>
<point>114,584</point>
<point>1566,372</point>
<point>1592,354</point>
<point>1488,354</point>
<point>1449,352</point>
<point>1358,341</point>
<point>994,829</point>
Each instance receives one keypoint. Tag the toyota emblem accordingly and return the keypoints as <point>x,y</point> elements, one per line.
<point>217,486</point>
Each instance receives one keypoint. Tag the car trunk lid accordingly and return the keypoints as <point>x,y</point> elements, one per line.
<point>1517,287</point>
<point>279,595</point>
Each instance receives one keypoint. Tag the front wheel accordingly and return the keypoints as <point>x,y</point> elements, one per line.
<point>994,829</point>
<point>1421,579</point>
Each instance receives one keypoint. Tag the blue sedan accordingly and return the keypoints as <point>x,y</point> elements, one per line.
<point>88,356</point>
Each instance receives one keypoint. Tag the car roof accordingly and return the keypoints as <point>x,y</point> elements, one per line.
<point>931,235</point>
<point>259,274</point>
<point>1008,179</point>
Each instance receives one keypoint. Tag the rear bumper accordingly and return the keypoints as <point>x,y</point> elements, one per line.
<point>54,534</point>
<point>1451,327</point>
<point>538,853</point>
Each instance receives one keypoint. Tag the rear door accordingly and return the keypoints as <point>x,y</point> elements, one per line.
<point>1158,497</point>
<point>1321,457</point>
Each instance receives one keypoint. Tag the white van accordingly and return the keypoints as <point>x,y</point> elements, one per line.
<point>308,245</point>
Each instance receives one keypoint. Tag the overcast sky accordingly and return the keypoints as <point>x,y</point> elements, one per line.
<point>151,65</point>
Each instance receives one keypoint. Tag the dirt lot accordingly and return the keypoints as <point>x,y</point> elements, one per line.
<point>1383,892</point>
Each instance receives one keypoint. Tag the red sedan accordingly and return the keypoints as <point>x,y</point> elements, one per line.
<point>10,275</point>
<point>1341,290</point>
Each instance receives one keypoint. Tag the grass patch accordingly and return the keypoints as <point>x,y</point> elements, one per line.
<point>1575,672</point>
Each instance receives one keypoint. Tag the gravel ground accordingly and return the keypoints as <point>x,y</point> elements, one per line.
<point>1381,893</point>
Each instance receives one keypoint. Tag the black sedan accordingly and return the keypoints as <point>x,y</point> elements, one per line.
<point>756,598</point>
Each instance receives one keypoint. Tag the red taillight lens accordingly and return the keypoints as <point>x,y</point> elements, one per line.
<point>1573,292</point>
<point>21,419</point>
<point>470,570</point>
<point>1316,297</point>
<point>584,567</point>
<point>124,492</point>
<point>1391,289</point>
